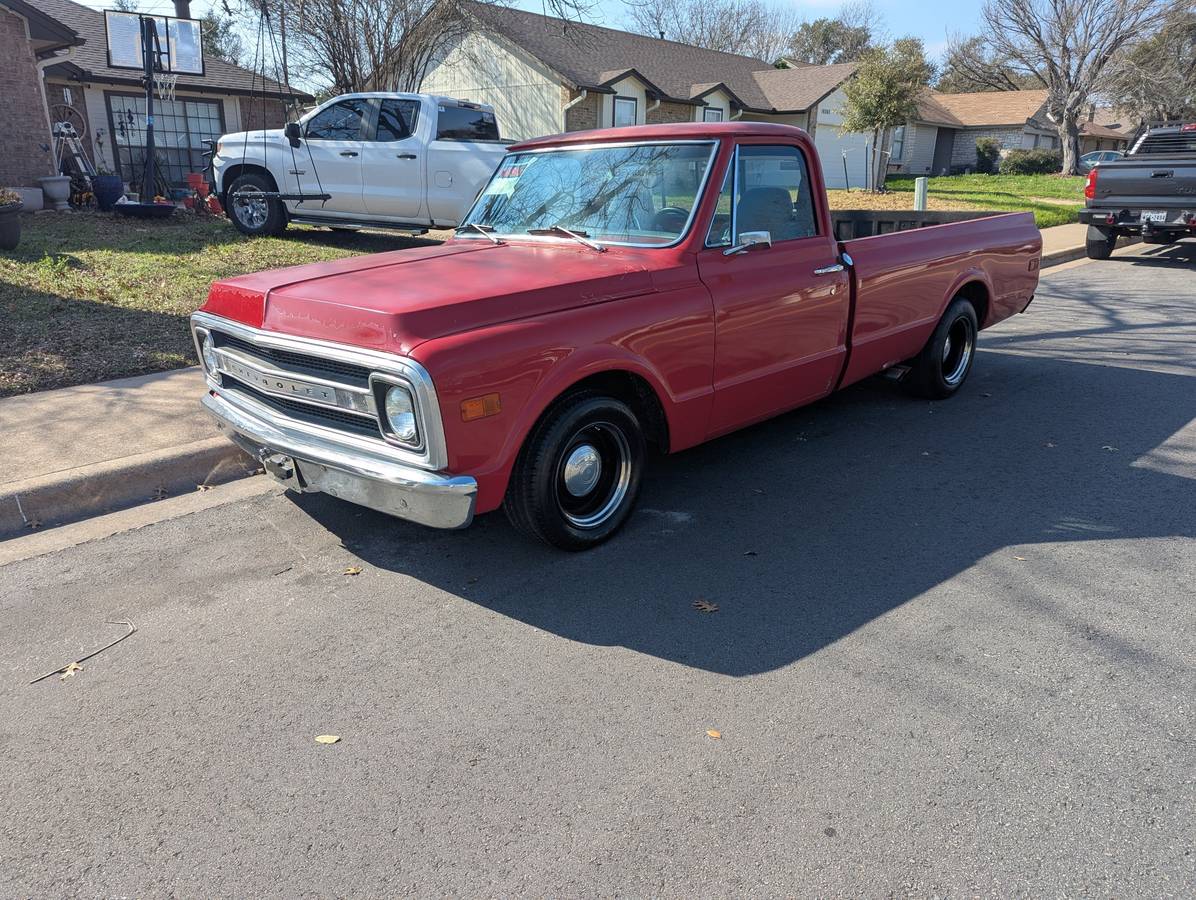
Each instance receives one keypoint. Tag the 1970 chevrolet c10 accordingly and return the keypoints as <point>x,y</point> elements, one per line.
<point>609,291</point>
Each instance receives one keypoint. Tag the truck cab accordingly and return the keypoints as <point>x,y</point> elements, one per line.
<point>391,160</point>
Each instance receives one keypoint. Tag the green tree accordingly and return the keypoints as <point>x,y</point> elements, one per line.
<point>883,94</point>
<point>825,41</point>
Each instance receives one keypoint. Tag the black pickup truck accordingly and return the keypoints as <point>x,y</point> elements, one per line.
<point>1151,192</point>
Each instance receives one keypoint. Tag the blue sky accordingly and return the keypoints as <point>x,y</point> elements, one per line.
<point>931,20</point>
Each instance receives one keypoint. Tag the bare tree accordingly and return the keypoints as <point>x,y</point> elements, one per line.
<point>748,27</point>
<point>971,66</point>
<point>354,45</point>
<point>1069,46</point>
<point>1155,79</point>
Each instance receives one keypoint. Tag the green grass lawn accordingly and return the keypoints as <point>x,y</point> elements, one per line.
<point>89,296</point>
<point>1054,199</point>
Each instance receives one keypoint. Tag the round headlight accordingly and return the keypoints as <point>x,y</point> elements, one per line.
<point>400,413</point>
<point>209,353</point>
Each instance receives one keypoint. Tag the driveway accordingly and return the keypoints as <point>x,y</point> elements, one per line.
<point>953,653</point>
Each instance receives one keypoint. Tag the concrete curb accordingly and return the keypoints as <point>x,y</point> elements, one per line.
<point>1058,257</point>
<point>93,490</point>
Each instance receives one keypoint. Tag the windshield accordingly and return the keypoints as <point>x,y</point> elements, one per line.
<point>638,194</point>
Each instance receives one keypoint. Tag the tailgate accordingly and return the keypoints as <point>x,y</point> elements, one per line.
<point>1148,181</point>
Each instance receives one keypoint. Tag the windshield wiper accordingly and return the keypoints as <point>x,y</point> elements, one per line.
<point>580,236</point>
<point>483,230</point>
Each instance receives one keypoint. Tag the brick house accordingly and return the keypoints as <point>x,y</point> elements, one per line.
<point>53,55</point>
<point>942,138</point>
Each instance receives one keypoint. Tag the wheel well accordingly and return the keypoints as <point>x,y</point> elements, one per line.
<point>637,393</point>
<point>977,293</point>
<point>236,171</point>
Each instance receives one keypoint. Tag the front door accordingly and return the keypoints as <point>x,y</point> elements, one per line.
<point>392,163</point>
<point>944,144</point>
<point>330,157</point>
<point>781,310</point>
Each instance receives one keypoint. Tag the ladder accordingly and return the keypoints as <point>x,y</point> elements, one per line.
<point>68,150</point>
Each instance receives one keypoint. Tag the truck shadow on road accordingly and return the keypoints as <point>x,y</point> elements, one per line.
<point>808,527</point>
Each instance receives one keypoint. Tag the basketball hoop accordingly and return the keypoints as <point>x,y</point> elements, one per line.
<point>164,85</point>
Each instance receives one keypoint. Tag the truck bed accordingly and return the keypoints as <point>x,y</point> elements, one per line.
<point>895,275</point>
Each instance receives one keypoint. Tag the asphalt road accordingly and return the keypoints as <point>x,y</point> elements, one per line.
<point>953,654</point>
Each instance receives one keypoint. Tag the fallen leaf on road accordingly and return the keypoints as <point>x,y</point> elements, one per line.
<point>69,671</point>
<point>34,524</point>
<point>1110,449</point>
<point>751,553</point>
<point>717,735</point>
<point>1048,444</point>
<point>352,570</point>
<point>757,491</point>
<point>705,606</point>
<point>203,487</point>
<point>327,738</point>
<point>1022,558</point>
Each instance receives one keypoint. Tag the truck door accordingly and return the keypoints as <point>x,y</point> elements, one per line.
<point>781,305</point>
<point>333,138</point>
<point>392,163</point>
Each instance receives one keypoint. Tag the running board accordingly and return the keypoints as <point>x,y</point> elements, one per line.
<point>357,224</point>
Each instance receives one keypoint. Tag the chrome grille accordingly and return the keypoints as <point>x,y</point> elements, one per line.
<point>299,362</point>
<point>366,426</point>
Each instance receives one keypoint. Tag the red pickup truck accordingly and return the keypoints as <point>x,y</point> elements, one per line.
<point>610,291</point>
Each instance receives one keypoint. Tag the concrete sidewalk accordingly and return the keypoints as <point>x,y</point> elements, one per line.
<point>78,452</point>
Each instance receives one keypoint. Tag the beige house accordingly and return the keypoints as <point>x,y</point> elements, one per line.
<point>544,75</point>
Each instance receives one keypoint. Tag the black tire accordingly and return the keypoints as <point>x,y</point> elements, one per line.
<point>256,218</point>
<point>541,502</point>
<point>945,362</point>
<point>1100,242</point>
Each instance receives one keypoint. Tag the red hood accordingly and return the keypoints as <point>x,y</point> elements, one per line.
<point>395,301</point>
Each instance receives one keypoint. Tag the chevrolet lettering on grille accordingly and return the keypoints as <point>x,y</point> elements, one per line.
<point>284,387</point>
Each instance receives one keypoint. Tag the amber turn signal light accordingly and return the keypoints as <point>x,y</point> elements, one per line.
<point>480,407</point>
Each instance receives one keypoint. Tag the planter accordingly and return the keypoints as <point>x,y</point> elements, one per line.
<point>57,189</point>
<point>108,189</point>
<point>10,226</point>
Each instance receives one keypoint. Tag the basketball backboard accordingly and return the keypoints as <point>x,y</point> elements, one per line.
<point>179,40</point>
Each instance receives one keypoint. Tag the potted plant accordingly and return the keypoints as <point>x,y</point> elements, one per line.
<point>10,219</point>
<point>108,188</point>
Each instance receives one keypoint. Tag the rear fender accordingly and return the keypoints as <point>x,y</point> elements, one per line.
<point>970,275</point>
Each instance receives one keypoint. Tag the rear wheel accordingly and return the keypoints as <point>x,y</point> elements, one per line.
<point>257,216</point>
<point>944,363</point>
<point>578,476</point>
<point>1100,242</point>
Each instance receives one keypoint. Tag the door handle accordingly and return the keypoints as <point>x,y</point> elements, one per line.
<point>829,270</point>
<point>348,153</point>
<point>405,155</point>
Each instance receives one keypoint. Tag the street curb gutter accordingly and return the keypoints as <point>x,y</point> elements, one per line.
<point>1058,257</point>
<point>92,490</point>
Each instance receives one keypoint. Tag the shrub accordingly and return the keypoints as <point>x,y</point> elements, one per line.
<point>1031,162</point>
<point>988,153</point>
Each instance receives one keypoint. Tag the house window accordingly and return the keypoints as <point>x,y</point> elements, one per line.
<point>626,109</point>
<point>710,114</point>
<point>897,146</point>
<point>180,128</point>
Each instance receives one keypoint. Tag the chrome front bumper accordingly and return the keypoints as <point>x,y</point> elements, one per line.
<point>303,461</point>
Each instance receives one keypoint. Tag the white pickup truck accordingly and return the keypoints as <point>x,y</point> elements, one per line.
<point>378,160</point>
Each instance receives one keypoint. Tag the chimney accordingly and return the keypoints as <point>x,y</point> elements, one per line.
<point>1091,111</point>
<point>182,9</point>
<point>662,35</point>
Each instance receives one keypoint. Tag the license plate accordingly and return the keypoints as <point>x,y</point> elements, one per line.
<point>1154,217</point>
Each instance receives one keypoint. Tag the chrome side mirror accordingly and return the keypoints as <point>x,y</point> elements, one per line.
<point>749,240</point>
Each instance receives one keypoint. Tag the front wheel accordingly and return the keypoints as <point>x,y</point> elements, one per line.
<point>255,216</point>
<point>578,476</point>
<point>944,363</point>
<point>1100,242</point>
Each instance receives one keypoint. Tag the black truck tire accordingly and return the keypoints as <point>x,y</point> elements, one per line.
<point>1100,242</point>
<point>945,362</point>
<point>256,218</point>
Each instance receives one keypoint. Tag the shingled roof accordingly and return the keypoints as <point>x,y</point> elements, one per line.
<point>592,57</point>
<point>987,108</point>
<point>90,61</point>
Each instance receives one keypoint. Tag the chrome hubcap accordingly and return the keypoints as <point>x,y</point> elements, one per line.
<point>582,470</point>
<point>593,475</point>
<point>957,351</point>
<point>252,213</point>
